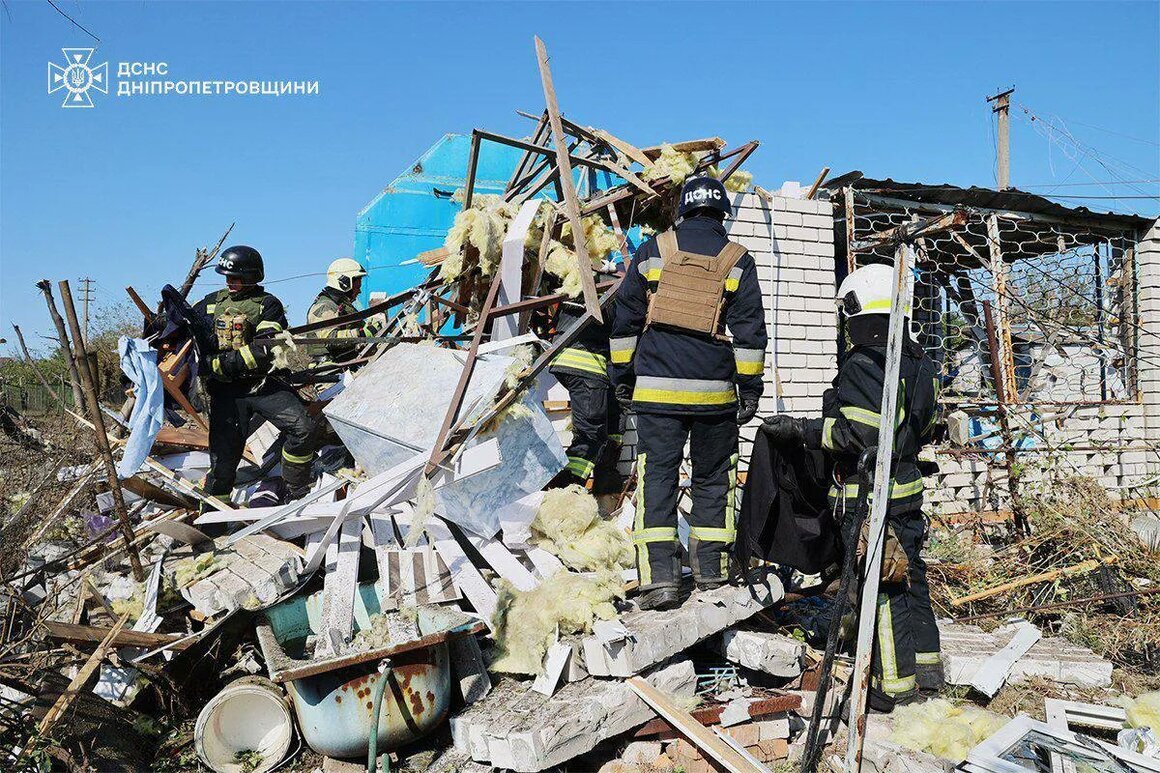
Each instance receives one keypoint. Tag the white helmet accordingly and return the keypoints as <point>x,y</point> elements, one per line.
<point>342,273</point>
<point>867,290</point>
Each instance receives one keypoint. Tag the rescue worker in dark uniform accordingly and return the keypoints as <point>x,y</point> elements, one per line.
<point>906,648</point>
<point>343,285</point>
<point>597,418</point>
<point>687,380</point>
<point>242,382</point>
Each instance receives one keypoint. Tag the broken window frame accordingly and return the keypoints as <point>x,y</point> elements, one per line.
<point>986,757</point>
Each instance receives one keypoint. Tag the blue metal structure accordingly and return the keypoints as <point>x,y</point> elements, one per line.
<point>413,213</point>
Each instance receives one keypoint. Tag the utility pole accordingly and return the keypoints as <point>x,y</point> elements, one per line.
<point>1002,106</point>
<point>86,296</point>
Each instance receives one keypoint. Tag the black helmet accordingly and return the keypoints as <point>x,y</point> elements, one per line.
<point>242,261</point>
<point>704,193</point>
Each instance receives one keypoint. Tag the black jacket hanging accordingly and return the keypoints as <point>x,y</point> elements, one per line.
<point>784,516</point>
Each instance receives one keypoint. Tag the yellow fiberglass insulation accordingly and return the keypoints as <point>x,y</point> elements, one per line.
<point>942,728</point>
<point>1144,711</point>
<point>561,263</point>
<point>526,622</point>
<point>672,163</point>
<point>483,227</point>
<point>568,525</point>
<point>679,165</point>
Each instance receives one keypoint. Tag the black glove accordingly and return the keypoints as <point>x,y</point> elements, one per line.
<point>623,394</point>
<point>746,409</point>
<point>783,430</point>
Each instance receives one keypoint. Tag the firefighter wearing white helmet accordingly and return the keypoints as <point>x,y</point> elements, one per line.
<point>906,652</point>
<point>343,285</point>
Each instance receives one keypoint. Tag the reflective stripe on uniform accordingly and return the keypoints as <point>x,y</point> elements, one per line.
<point>651,268</point>
<point>582,360</point>
<point>216,365</point>
<point>750,362</point>
<point>658,534</point>
<point>294,459</point>
<point>209,308</point>
<point>860,415</point>
<point>733,281</point>
<point>828,433</point>
<point>683,391</point>
<point>876,305</point>
<point>643,569</point>
<point>248,356</point>
<point>580,467</point>
<point>268,325</point>
<point>886,653</point>
<point>712,534</point>
<point>621,349</point>
<point>730,512</point>
<point>927,658</point>
<point>897,490</point>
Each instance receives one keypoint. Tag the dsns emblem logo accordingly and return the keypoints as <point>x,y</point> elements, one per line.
<point>77,77</point>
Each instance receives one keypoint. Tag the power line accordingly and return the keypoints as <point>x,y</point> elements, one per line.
<point>75,23</point>
<point>1116,198</point>
<point>1097,182</point>
<point>1118,134</point>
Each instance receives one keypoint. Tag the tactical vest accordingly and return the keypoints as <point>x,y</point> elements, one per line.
<point>325,308</point>
<point>235,321</point>
<point>691,291</point>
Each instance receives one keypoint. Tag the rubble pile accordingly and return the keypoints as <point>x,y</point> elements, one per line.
<point>434,597</point>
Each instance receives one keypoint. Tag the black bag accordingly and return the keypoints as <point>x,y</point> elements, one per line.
<point>785,516</point>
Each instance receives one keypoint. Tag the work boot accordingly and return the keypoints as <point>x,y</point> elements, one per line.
<point>882,703</point>
<point>660,597</point>
<point>930,678</point>
<point>712,583</point>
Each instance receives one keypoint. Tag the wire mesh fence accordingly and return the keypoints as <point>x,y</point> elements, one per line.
<point>1053,301</point>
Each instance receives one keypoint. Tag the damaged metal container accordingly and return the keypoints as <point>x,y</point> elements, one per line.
<point>333,698</point>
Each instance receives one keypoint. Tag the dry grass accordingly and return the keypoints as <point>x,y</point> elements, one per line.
<point>1073,520</point>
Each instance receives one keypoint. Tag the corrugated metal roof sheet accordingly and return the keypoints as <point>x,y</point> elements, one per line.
<point>1011,199</point>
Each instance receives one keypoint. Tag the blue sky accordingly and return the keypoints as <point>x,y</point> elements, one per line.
<point>124,192</point>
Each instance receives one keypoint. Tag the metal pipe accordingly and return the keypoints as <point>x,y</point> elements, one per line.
<point>376,709</point>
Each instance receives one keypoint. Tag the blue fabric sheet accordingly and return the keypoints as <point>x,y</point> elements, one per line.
<point>139,363</point>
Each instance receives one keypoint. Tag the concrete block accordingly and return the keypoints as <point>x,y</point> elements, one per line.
<point>966,647</point>
<point>656,636</point>
<point>769,653</point>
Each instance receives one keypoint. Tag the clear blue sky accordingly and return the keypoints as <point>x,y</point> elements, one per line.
<point>124,192</point>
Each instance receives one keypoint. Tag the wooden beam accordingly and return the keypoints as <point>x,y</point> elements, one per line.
<point>818,182</point>
<point>697,734</point>
<point>708,144</point>
<point>123,638</point>
<point>88,386</point>
<point>65,699</point>
<point>571,202</point>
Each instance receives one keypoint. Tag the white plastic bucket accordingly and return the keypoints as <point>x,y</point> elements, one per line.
<point>250,714</point>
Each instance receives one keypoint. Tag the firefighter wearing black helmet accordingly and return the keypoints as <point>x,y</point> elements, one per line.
<point>686,379</point>
<point>242,381</point>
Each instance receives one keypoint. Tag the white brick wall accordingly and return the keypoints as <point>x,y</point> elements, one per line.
<point>793,245</point>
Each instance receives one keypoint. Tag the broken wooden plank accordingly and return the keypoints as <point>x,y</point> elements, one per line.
<point>466,575</point>
<point>571,202</point>
<point>69,695</point>
<point>338,591</point>
<point>707,145</point>
<point>698,734</point>
<point>123,638</point>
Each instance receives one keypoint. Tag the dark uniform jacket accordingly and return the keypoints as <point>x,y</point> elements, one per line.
<point>587,356</point>
<point>850,411</point>
<point>677,371</point>
<point>243,370</point>
<point>328,304</point>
